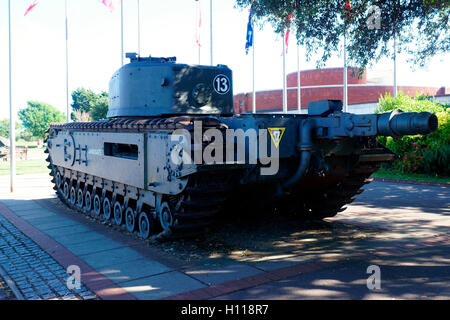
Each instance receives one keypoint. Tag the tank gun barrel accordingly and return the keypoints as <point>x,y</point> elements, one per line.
<point>399,123</point>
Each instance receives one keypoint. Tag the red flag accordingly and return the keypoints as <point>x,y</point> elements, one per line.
<point>110,4</point>
<point>35,2</point>
<point>286,40</point>
<point>197,31</point>
<point>348,7</point>
<point>290,17</point>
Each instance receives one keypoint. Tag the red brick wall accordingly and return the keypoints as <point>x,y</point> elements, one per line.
<point>273,100</point>
<point>322,77</point>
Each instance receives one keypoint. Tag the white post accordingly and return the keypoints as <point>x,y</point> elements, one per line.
<point>395,66</point>
<point>139,27</point>
<point>299,91</point>
<point>197,28</point>
<point>67,64</point>
<point>12,122</point>
<point>345,101</point>
<point>285,109</point>
<point>121,32</point>
<point>211,29</point>
<point>253,75</point>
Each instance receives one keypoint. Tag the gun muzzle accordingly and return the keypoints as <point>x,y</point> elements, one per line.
<point>399,123</point>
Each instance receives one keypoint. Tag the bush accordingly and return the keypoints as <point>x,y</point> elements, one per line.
<point>428,154</point>
<point>27,136</point>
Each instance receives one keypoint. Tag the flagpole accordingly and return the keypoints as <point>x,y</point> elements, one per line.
<point>299,92</point>
<point>121,32</point>
<point>12,127</point>
<point>67,63</point>
<point>211,29</point>
<point>285,109</point>
<point>395,66</point>
<point>139,27</point>
<point>345,102</point>
<point>197,28</point>
<point>253,74</point>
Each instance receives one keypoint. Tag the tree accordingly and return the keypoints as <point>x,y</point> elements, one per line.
<point>4,128</point>
<point>38,115</point>
<point>101,107</point>
<point>86,100</point>
<point>81,116</point>
<point>83,99</point>
<point>421,27</point>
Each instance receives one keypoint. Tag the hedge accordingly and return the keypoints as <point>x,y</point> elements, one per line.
<point>428,154</point>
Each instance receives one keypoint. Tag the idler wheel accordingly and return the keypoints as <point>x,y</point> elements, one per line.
<point>73,196</point>
<point>165,216</point>
<point>118,214</point>
<point>106,208</point>
<point>145,225</point>
<point>130,219</point>
<point>80,198</point>
<point>87,201</point>
<point>97,205</point>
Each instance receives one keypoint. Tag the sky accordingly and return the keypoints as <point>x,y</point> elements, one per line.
<point>168,28</point>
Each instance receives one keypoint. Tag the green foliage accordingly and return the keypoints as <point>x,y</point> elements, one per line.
<point>437,160</point>
<point>4,128</point>
<point>87,101</point>
<point>27,136</point>
<point>422,27</point>
<point>428,154</point>
<point>83,99</point>
<point>101,107</point>
<point>37,116</point>
<point>408,104</point>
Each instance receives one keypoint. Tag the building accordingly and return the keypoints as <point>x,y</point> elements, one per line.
<point>327,84</point>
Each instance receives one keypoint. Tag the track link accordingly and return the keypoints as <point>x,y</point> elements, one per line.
<point>327,202</point>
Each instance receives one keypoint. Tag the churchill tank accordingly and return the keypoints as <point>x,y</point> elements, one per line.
<point>172,154</point>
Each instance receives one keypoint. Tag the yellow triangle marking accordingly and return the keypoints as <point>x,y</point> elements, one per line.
<point>276,134</point>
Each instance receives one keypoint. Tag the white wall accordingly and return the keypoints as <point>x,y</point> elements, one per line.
<point>443,99</point>
<point>362,108</point>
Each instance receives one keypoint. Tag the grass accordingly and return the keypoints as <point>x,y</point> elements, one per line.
<point>35,164</point>
<point>386,173</point>
<point>25,167</point>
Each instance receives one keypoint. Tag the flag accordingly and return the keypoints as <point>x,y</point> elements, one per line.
<point>35,2</point>
<point>249,38</point>
<point>286,38</point>
<point>348,7</point>
<point>199,24</point>
<point>111,4</point>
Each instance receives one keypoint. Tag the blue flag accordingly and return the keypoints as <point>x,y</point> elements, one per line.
<point>249,38</point>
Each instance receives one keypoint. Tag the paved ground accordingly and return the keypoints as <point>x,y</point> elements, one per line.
<point>5,292</point>
<point>402,229</point>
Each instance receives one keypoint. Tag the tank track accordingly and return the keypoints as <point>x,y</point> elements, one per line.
<point>188,212</point>
<point>318,204</point>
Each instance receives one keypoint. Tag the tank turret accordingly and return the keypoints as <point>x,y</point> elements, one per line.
<point>151,87</point>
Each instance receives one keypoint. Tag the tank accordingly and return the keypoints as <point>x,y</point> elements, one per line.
<point>173,155</point>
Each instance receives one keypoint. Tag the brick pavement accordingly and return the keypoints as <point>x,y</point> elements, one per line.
<point>38,241</point>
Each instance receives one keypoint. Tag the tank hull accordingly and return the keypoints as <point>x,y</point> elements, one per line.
<point>123,170</point>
